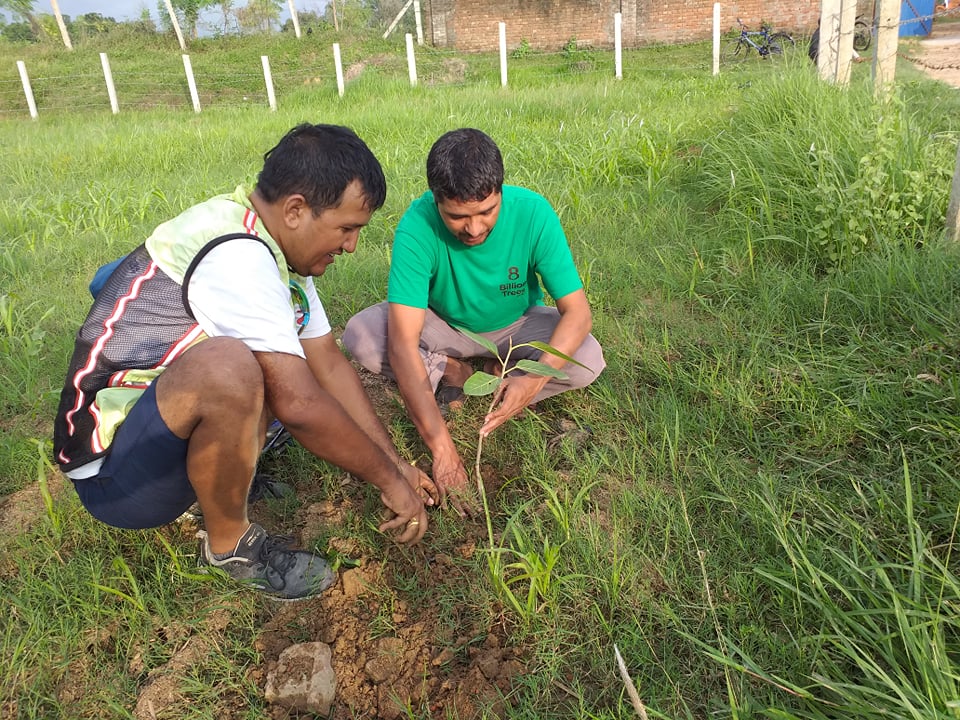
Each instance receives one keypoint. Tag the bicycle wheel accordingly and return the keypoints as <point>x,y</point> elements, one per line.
<point>861,36</point>
<point>733,51</point>
<point>780,42</point>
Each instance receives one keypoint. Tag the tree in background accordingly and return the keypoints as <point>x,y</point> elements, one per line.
<point>384,12</point>
<point>145,24</point>
<point>90,24</point>
<point>259,15</point>
<point>227,20</point>
<point>350,14</point>
<point>188,13</point>
<point>23,9</point>
<point>309,21</point>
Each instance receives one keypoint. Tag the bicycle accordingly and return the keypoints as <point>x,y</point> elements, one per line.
<point>862,34</point>
<point>766,44</point>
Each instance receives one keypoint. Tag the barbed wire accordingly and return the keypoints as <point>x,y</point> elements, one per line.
<point>928,65</point>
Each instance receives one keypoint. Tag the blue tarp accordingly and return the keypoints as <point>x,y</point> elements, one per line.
<point>916,17</point>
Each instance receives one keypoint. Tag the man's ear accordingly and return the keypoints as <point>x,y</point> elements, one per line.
<point>295,210</point>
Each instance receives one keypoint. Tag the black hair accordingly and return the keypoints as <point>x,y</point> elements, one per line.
<point>464,165</point>
<point>318,162</point>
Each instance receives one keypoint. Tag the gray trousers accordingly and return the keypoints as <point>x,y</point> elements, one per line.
<point>365,337</point>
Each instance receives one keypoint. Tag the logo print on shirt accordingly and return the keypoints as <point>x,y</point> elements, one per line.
<point>513,287</point>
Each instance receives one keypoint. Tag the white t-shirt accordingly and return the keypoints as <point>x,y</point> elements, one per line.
<point>221,299</point>
<point>220,289</point>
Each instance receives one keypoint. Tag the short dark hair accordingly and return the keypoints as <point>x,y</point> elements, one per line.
<point>464,164</point>
<point>318,162</point>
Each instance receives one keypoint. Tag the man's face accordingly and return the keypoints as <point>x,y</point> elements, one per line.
<point>470,221</point>
<point>312,242</point>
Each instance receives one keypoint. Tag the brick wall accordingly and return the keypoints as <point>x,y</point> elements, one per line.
<point>472,25</point>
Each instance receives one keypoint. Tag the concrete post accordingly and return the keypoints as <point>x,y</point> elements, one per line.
<point>61,24</point>
<point>829,39</point>
<point>953,208</point>
<point>888,39</point>
<point>848,16</point>
<point>175,23</point>
<point>293,16</point>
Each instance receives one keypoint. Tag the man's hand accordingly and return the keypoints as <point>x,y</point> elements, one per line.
<point>421,484</point>
<point>411,515</point>
<point>453,484</point>
<point>513,396</point>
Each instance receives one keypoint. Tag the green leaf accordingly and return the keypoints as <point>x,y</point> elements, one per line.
<point>481,383</point>
<point>539,368</point>
<point>543,347</point>
<point>494,350</point>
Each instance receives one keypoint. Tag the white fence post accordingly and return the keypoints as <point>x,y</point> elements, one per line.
<point>27,90</point>
<point>888,40</point>
<point>503,54</point>
<point>293,16</point>
<point>419,21</point>
<point>268,79</point>
<point>848,15</point>
<point>188,68</point>
<point>618,45</point>
<point>411,61</point>
<point>108,77</point>
<point>339,67</point>
<point>828,52</point>
<point>176,24</point>
<point>953,207</point>
<point>61,24</point>
<point>406,5</point>
<point>716,38</point>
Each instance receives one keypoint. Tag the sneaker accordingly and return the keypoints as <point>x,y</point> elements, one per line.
<point>267,563</point>
<point>267,486</point>
<point>278,438</point>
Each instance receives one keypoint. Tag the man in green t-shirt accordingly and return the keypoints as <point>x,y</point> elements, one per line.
<point>471,253</point>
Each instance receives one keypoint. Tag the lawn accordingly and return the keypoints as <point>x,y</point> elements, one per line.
<point>757,502</point>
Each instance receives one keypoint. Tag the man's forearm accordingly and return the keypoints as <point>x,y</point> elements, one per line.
<point>346,387</point>
<point>417,394</point>
<point>325,428</point>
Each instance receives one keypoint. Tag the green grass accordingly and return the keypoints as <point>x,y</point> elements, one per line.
<point>764,519</point>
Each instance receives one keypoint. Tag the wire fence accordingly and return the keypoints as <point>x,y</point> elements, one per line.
<point>219,83</point>
<point>210,78</point>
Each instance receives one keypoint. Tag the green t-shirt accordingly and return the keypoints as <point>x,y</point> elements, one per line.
<point>488,286</point>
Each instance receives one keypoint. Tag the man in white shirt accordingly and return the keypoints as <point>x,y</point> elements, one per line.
<point>207,331</point>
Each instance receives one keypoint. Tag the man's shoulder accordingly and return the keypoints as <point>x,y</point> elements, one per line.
<point>520,202</point>
<point>517,193</point>
<point>421,217</point>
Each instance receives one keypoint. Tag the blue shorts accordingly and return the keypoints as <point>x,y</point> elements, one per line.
<point>143,481</point>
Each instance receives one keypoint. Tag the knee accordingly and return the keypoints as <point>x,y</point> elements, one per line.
<point>590,355</point>
<point>365,338</point>
<point>226,370</point>
<point>352,335</point>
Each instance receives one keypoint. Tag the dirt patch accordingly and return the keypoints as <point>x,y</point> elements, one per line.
<point>938,54</point>
<point>22,509</point>
<point>406,637</point>
<point>392,656</point>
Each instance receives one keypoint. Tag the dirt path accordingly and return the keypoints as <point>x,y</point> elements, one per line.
<point>938,54</point>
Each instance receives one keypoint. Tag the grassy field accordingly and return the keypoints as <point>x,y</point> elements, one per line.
<point>762,517</point>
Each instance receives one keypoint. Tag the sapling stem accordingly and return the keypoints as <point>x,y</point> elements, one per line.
<point>476,466</point>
